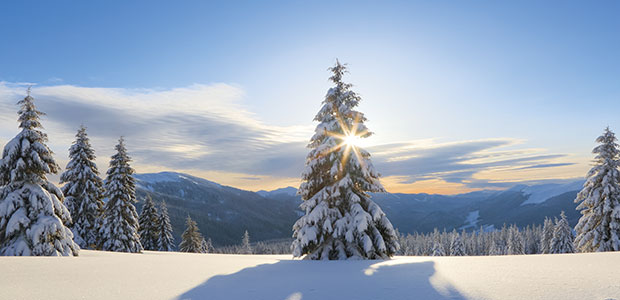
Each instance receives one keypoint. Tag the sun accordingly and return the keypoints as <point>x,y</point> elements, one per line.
<point>352,140</point>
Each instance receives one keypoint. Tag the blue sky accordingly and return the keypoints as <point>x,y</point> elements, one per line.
<point>461,96</point>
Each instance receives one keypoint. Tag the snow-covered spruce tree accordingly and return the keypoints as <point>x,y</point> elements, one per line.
<point>245,244</point>
<point>547,235</point>
<point>515,241</point>
<point>191,239</point>
<point>498,243</point>
<point>598,228</point>
<point>562,241</point>
<point>205,245</point>
<point>32,213</point>
<point>149,225</point>
<point>438,249</point>
<point>457,248</point>
<point>341,221</point>
<point>119,228</point>
<point>209,246</point>
<point>165,240</point>
<point>83,191</point>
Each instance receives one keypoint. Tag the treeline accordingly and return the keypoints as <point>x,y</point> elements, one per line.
<point>552,237</point>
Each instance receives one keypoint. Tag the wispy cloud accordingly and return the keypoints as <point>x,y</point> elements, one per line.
<point>460,162</point>
<point>198,127</point>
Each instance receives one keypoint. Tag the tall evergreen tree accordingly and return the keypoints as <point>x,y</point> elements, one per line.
<point>547,235</point>
<point>438,249</point>
<point>457,248</point>
<point>341,221</point>
<point>83,191</point>
<point>515,241</point>
<point>191,240</point>
<point>245,244</point>
<point>149,225</point>
<point>165,241</point>
<point>599,200</point>
<point>32,213</point>
<point>562,241</point>
<point>119,228</point>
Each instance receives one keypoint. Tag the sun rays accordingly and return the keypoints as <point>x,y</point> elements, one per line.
<point>350,139</point>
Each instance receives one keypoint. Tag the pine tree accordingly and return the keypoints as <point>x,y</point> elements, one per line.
<point>562,241</point>
<point>598,228</point>
<point>165,241</point>
<point>341,221</point>
<point>245,244</point>
<point>547,235</point>
<point>205,246</point>
<point>191,240</point>
<point>457,248</point>
<point>149,225</point>
<point>32,213</point>
<point>119,228</point>
<point>515,241</point>
<point>209,246</point>
<point>83,191</point>
<point>438,249</point>
<point>498,243</point>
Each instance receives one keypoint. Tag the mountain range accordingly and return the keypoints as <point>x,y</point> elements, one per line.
<point>223,213</point>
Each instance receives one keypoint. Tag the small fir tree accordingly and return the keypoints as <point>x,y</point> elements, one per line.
<point>341,221</point>
<point>598,228</point>
<point>562,241</point>
<point>245,244</point>
<point>457,248</point>
<point>32,213</point>
<point>83,191</point>
<point>438,249</point>
<point>165,240</point>
<point>547,235</point>
<point>515,241</point>
<point>149,225</point>
<point>192,240</point>
<point>119,228</point>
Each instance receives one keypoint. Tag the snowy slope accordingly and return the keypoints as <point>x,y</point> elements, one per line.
<point>540,193</point>
<point>154,178</point>
<point>471,221</point>
<point>158,275</point>
<point>289,191</point>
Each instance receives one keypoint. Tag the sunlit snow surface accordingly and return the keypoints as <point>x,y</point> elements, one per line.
<point>157,275</point>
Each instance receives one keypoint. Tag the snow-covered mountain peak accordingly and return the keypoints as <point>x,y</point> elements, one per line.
<point>289,191</point>
<point>153,178</point>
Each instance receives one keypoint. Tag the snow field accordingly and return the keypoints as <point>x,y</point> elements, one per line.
<point>173,275</point>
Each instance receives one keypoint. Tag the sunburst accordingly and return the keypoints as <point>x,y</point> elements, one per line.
<point>350,140</point>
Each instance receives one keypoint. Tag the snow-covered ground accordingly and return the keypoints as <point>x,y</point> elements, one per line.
<point>159,275</point>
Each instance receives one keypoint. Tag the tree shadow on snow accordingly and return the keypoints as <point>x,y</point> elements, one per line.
<point>306,280</point>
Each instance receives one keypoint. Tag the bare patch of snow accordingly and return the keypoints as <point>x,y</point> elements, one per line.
<point>472,220</point>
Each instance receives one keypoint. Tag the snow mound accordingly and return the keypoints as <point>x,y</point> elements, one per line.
<point>540,193</point>
<point>173,275</point>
